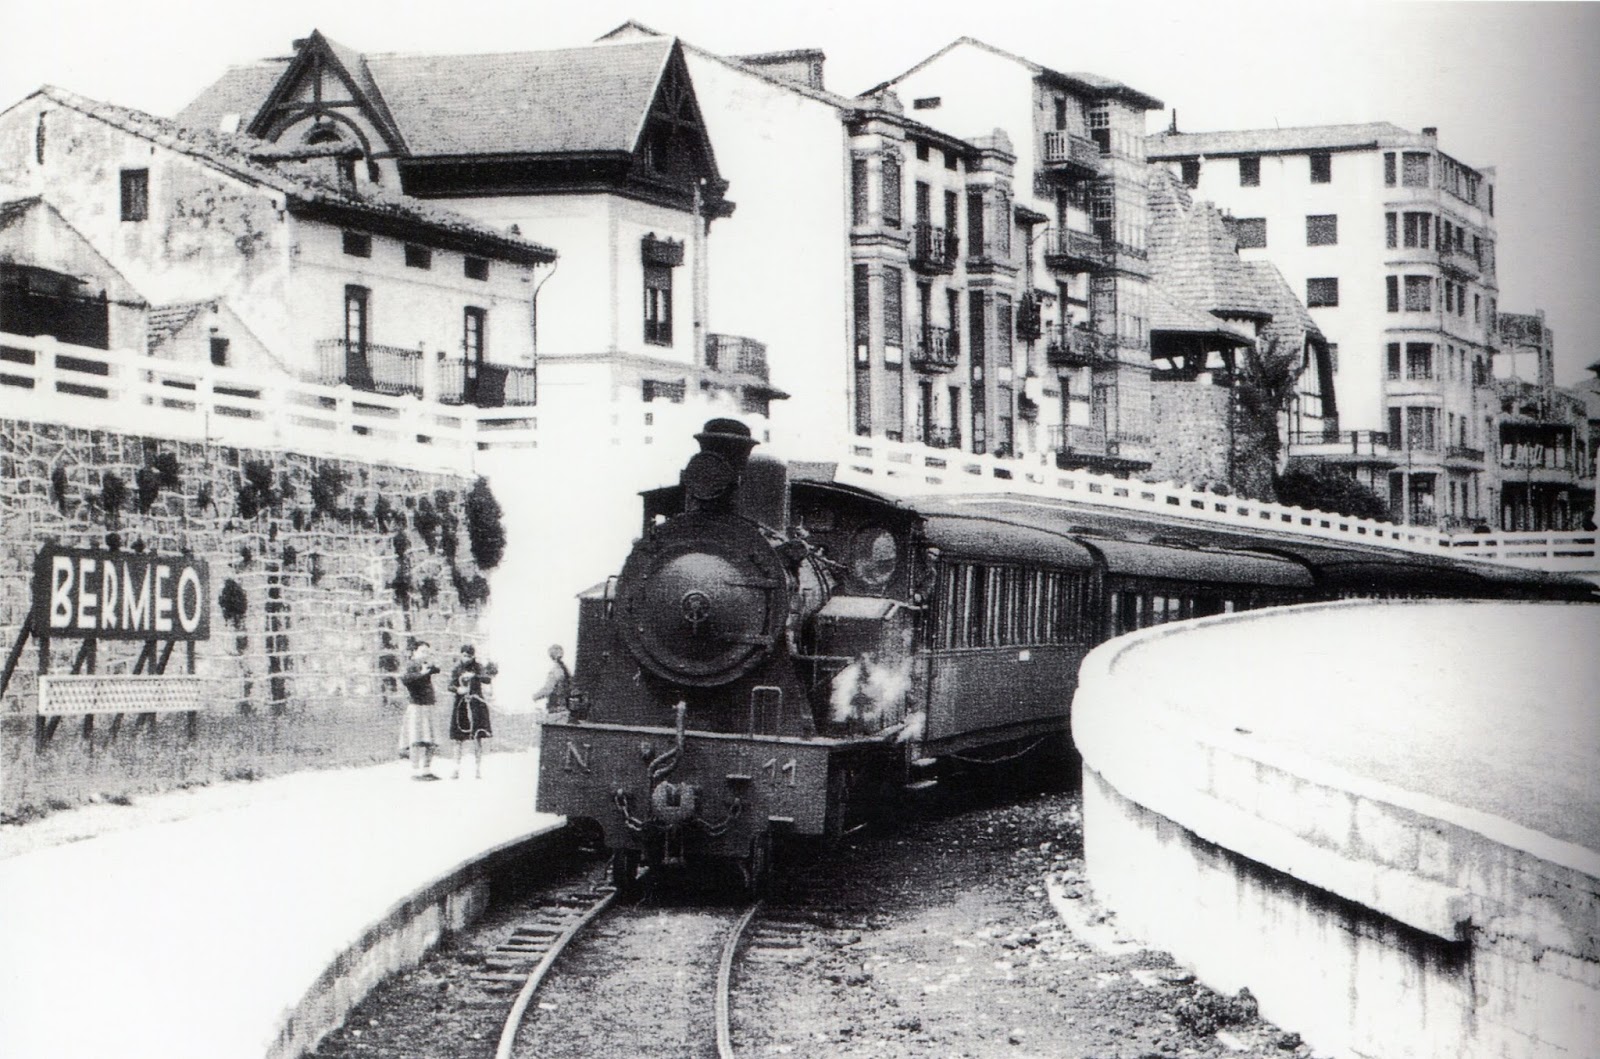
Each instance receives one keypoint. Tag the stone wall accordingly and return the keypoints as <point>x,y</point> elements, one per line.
<point>1191,444</point>
<point>337,562</point>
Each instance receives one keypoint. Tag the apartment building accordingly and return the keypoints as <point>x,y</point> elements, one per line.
<point>1392,242</point>
<point>1079,201</point>
<point>600,149</point>
<point>122,228</point>
<point>1542,457</point>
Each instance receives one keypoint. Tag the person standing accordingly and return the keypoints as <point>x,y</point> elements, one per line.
<point>417,738</point>
<point>557,690</point>
<point>469,720</point>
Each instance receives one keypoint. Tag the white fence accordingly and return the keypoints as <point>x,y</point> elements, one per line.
<point>45,380</point>
<point>910,470</point>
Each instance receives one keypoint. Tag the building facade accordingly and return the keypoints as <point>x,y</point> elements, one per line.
<point>1079,203</point>
<point>601,150</point>
<point>1392,242</point>
<point>1543,454</point>
<point>251,256</point>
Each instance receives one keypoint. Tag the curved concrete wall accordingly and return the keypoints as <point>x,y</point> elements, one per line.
<point>1229,818</point>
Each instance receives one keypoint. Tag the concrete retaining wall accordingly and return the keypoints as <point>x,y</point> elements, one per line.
<point>1372,920</point>
<point>398,942</point>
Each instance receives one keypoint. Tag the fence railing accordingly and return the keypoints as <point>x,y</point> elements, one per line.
<point>369,366</point>
<point>45,380</point>
<point>913,470</point>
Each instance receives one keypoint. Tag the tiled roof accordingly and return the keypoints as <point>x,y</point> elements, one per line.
<point>1199,263</point>
<point>560,101</point>
<point>1169,314</point>
<point>239,92</point>
<point>1291,322</point>
<point>16,209</point>
<point>165,321</point>
<point>1169,203</point>
<point>1268,141</point>
<point>569,100</point>
<point>240,156</point>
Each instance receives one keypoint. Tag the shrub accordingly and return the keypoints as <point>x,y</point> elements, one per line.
<point>232,603</point>
<point>326,488</point>
<point>1324,488</point>
<point>486,535</point>
<point>113,494</point>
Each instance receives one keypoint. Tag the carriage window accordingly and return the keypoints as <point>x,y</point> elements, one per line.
<point>1007,606</point>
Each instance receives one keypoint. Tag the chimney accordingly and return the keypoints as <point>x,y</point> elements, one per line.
<point>1431,131</point>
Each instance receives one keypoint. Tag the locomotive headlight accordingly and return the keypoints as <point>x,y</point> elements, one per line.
<point>872,556</point>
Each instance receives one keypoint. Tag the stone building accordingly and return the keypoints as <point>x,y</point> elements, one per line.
<point>601,150</point>
<point>1393,243</point>
<point>296,268</point>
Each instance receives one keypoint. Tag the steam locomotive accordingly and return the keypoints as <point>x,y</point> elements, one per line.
<point>781,651</point>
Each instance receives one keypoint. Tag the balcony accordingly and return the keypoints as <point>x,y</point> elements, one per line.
<point>934,250</point>
<point>1067,250</point>
<point>1068,155</point>
<point>1076,346</point>
<point>369,367</point>
<point>736,354</point>
<point>485,385</point>
<point>1463,454</point>
<point>1463,263</point>
<point>942,438</point>
<point>935,349</point>
<point>1369,447</point>
<point>1078,438</point>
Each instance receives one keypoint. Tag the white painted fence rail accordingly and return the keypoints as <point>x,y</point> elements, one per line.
<point>912,470</point>
<point>49,381</point>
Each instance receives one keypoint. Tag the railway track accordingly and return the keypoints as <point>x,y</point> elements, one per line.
<point>646,979</point>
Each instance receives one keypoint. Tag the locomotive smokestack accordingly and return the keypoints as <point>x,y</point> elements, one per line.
<point>729,439</point>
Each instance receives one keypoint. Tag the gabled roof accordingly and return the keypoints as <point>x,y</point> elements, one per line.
<point>1198,262</point>
<point>1291,324</point>
<point>164,321</point>
<point>54,245</point>
<point>1169,315</point>
<point>1087,84</point>
<point>242,157</point>
<point>573,101</point>
<point>634,30</point>
<point>1167,145</point>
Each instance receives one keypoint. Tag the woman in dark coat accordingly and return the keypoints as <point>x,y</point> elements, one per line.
<point>469,720</point>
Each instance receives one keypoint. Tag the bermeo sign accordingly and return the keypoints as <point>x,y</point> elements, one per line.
<point>120,595</point>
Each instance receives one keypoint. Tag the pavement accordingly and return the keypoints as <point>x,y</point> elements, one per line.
<point>1493,707</point>
<point>194,928</point>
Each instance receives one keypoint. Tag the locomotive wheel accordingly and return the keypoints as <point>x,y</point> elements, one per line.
<point>625,872</point>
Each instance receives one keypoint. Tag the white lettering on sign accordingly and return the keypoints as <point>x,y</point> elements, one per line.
<point>120,595</point>
<point>108,596</point>
<point>163,601</point>
<point>87,600</point>
<point>191,599</point>
<point>135,605</point>
<point>61,592</point>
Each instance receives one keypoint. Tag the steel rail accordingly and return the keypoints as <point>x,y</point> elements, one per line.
<point>508,1035</point>
<point>725,981</point>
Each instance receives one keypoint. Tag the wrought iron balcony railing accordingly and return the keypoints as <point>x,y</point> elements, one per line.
<point>935,349</point>
<point>1077,347</point>
<point>370,367</point>
<point>1463,452</point>
<point>736,353</point>
<point>485,385</point>
<point>1069,250</point>
<point>1069,154</point>
<point>942,438</point>
<point>934,249</point>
